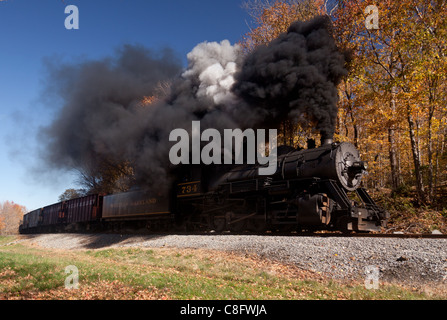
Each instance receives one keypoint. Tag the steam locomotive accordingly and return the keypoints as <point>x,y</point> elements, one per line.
<point>313,188</point>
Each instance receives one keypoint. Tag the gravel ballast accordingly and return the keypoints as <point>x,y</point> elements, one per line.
<point>406,261</point>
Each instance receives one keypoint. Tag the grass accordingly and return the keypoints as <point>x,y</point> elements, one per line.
<point>28,272</point>
<point>6,239</point>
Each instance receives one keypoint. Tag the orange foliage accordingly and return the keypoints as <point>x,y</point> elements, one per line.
<point>10,215</point>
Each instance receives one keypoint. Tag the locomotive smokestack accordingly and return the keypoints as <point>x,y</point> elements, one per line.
<point>326,140</point>
<point>310,144</point>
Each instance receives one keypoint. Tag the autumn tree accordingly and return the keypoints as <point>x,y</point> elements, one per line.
<point>428,46</point>
<point>273,19</point>
<point>10,216</point>
<point>373,68</point>
<point>400,77</point>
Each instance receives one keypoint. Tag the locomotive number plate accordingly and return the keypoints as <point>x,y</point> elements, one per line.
<point>188,189</point>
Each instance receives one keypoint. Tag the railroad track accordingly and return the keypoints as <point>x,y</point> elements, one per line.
<point>327,234</point>
<point>380,235</point>
<point>304,234</point>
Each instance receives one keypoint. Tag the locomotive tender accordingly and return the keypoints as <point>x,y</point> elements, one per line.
<point>314,188</point>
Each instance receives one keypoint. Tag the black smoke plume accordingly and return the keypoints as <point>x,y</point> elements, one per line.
<point>102,123</point>
<point>295,76</point>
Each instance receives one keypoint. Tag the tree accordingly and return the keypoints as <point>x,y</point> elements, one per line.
<point>106,176</point>
<point>72,194</point>
<point>429,60</point>
<point>273,19</point>
<point>404,64</point>
<point>10,217</point>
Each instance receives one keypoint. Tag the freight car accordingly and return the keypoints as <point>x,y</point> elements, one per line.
<point>314,188</point>
<point>72,215</point>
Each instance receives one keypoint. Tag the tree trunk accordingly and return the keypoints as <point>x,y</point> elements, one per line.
<point>416,158</point>
<point>393,160</point>
<point>356,130</point>
<point>430,154</point>
<point>395,178</point>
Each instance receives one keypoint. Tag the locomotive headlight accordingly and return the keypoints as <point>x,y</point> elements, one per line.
<point>361,165</point>
<point>358,167</point>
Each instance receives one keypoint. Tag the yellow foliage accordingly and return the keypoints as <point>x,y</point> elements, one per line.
<point>393,104</point>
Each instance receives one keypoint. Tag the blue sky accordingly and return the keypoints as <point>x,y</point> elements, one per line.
<point>33,31</point>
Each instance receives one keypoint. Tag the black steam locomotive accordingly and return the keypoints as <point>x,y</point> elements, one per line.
<point>314,188</point>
